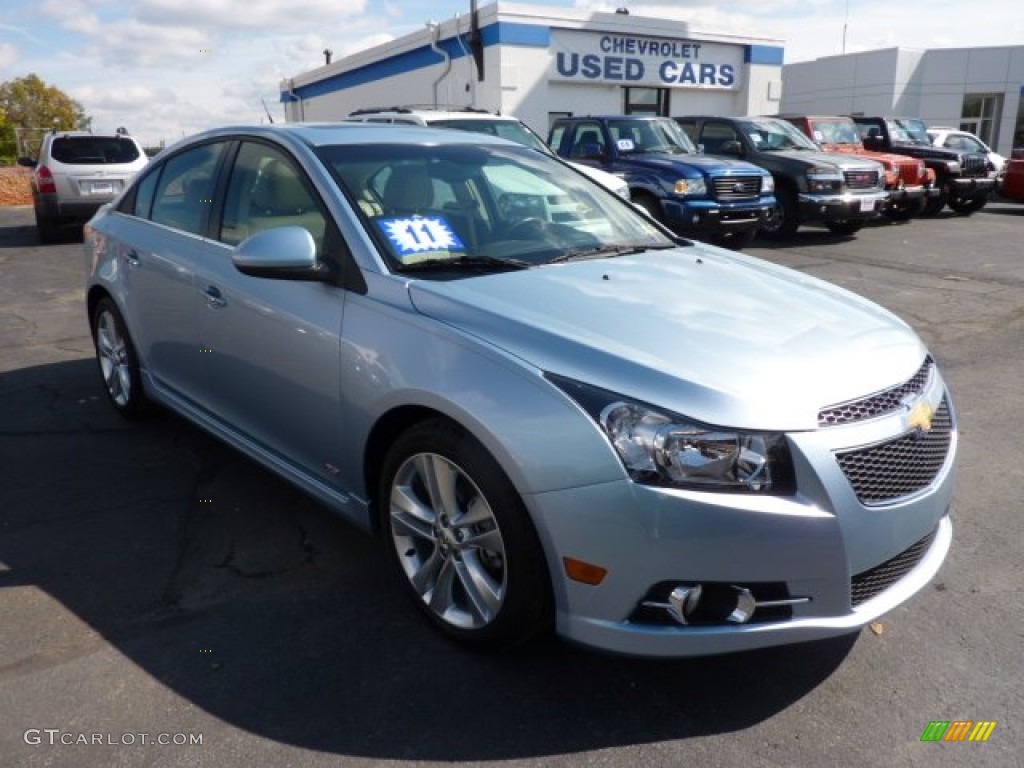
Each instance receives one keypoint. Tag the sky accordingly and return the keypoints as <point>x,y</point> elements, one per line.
<point>164,69</point>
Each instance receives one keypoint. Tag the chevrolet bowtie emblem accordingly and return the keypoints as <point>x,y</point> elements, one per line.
<point>920,417</point>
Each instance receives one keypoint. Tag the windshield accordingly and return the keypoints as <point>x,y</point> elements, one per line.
<point>650,136</point>
<point>474,206</point>
<point>512,130</point>
<point>907,131</point>
<point>838,131</point>
<point>770,135</point>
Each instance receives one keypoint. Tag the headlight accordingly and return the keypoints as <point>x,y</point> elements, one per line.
<point>691,187</point>
<point>768,183</point>
<point>953,166</point>
<point>824,180</point>
<point>661,448</point>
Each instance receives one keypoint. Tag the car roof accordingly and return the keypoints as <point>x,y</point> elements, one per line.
<point>354,132</point>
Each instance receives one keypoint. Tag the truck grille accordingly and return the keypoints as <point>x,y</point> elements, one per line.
<point>879,404</point>
<point>869,583</point>
<point>975,166</point>
<point>737,187</point>
<point>861,179</point>
<point>888,471</point>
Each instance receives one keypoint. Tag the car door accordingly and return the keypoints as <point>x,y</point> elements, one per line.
<point>272,345</point>
<point>159,244</point>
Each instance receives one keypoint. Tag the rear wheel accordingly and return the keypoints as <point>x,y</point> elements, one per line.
<point>118,363</point>
<point>848,227</point>
<point>461,538</point>
<point>933,205</point>
<point>47,228</point>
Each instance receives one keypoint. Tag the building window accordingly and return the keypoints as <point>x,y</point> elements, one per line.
<point>645,101</point>
<point>980,115</point>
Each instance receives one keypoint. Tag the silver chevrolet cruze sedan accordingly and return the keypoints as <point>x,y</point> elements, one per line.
<point>554,412</point>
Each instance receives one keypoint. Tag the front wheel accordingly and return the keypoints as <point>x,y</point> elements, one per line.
<point>462,539</point>
<point>784,218</point>
<point>118,363</point>
<point>933,205</point>
<point>967,206</point>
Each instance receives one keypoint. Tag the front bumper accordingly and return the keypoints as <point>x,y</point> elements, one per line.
<point>843,207</point>
<point>816,548</point>
<point>709,217</point>
<point>970,187</point>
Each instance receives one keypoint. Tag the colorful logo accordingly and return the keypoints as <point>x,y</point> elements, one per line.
<point>958,730</point>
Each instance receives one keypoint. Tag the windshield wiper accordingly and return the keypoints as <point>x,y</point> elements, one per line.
<point>606,252</point>
<point>481,263</point>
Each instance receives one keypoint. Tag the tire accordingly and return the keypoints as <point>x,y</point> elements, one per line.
<point>903,212</point>
<point>784,218</point>
<point>848,227</point>
<point>47,228</point>
<point>737,241</point>
<point>967,206</point>
<point>933,205</point>
<point>117,361</point>
<point>461,539</point>
<point>650,204</point>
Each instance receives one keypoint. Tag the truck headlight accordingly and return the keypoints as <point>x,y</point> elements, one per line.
<point>824,180</point>
<point>658,447</point>
<point>768,183</point>
<point>691,187</point>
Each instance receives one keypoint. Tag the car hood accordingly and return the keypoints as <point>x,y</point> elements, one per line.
<point>843,161</point>
<point>707,164</point>
<point>719,337</point>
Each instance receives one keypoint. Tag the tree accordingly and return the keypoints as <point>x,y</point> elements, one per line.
<point>29,104</point>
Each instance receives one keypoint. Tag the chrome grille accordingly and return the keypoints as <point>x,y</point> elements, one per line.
<point>861,179</point>
<point>737,187</point>
<point>896,468</point>
<point>869,583</point>
<point>975,166</point>
<point>876,405</point>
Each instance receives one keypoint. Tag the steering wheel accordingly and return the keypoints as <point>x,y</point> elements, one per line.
<point>526,229</point>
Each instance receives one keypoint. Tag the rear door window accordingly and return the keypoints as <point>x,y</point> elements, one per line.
<point>93,150</point>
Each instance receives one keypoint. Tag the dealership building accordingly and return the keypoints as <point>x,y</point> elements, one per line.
<point>539,63</point>
<point>974,89</point>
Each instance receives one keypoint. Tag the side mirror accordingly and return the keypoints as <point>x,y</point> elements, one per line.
<point>874,142</point>
<point>28,162</point>
<point>733,148</point>
<point>282,253</point>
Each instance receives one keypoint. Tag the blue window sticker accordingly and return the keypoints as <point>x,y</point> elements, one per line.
<point>419,234</point>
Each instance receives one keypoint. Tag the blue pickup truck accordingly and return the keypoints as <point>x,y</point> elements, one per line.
<point>717,199</point>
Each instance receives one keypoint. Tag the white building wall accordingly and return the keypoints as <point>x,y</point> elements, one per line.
<point>927,84</point>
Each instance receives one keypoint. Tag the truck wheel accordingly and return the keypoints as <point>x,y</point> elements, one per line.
<point>784,218</point>
<point>903,212</point>
<point>47,228</point>
<point>933,205</point>
<point>844,227</point>
<point>967,206</point>
<point>650,204</point>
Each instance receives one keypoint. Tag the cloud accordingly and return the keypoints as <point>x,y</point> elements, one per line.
<point>268,15</point>
<point>8,56</point>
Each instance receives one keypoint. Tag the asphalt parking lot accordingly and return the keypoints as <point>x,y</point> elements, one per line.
<point>157,586</point>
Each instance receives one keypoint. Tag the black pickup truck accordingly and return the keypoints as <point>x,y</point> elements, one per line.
<point>723,200</point>
<point>839,191</point>
<point>962,177</point>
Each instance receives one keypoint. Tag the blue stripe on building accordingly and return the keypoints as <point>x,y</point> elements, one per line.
<point>764,54</point>
<point>502,33</point>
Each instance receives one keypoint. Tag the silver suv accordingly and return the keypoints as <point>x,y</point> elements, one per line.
<point>482,121</point>
<point>77,172</point>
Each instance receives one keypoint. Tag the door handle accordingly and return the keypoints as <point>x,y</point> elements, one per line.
<point>132,257</point>
<point>214,298</point>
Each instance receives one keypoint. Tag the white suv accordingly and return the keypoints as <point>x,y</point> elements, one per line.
<point>481,121</point>
<point>963,141</point>
<point>77,172</point>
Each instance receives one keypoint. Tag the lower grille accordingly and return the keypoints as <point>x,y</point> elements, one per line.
<point>737,187</point>
<point>891,470</point>
<point>869,583</point>
<point>861,179</point>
